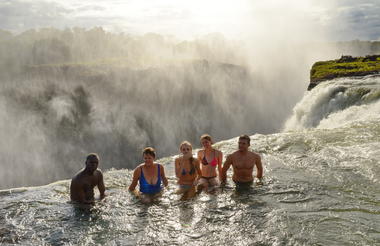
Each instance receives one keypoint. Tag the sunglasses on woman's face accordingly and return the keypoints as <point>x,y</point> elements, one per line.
<point>188,149</point>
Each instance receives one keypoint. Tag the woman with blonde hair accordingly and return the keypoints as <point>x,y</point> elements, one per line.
<point>211,160</point>
<point>187,171</point>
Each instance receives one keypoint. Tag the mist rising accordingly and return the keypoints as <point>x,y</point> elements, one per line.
<point>67,92</point>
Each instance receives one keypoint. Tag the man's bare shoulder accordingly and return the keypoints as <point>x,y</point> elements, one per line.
<point>254,154</point>
<point>234,154</point>
<point>98,173</point>
<point>78,176</point>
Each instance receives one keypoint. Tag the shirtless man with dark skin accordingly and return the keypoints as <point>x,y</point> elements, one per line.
<point>243,161</point>
<point>83,184</point>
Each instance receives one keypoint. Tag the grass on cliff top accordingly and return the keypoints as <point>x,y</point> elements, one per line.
<point>332,69</point>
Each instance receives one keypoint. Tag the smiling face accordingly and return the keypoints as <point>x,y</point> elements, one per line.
<point>186,150</point>
<point>92,164</point>
<point>243,145</point>
<point>148,159</point>
<point>206,143</point>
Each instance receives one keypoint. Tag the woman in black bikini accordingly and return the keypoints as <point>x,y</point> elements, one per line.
<point>210,159</point>
<point>187,170</point>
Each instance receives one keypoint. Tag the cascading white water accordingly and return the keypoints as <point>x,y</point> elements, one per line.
<point>337,103</point>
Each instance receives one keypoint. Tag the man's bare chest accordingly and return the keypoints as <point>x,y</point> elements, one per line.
<point>243,163</point>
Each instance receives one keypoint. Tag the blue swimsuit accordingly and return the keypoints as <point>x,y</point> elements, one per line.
<point>147,188</point>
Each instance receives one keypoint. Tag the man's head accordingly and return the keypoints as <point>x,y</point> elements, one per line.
<point>244,142</point>
<point>92,162</point>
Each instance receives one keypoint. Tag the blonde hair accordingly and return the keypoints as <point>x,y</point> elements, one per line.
<point>185,143</point>
<point>191,146</point>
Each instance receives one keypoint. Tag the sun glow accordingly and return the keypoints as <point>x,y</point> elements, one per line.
<point>186,18</point>
<point>189,19</point>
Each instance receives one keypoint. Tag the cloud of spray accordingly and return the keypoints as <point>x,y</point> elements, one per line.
<point>79,91</point>
<point>63,112</point>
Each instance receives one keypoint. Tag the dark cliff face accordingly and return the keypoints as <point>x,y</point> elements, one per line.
<point>67,111</point>
<point>346,66</point>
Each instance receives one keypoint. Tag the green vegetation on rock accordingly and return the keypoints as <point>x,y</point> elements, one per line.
<point>345,66</point>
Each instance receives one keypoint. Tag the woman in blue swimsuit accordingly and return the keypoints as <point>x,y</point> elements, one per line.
<point>150,177</point>
<point>186,170</point>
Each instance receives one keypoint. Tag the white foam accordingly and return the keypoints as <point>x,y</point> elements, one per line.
<point>333,104</point>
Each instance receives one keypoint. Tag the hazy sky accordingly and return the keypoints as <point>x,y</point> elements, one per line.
<point>316,19</point>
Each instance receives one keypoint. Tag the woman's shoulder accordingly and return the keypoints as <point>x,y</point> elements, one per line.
<point>139,167</point>
<point>218,152</point>
<point>159,165</point>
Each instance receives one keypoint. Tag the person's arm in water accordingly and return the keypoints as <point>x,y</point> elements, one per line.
<point>199,156</point>
<point>77,192</point>
<point>225,168</point>
<point>220,159</point>
<point>198,169</point>
<point>200,161</point>
<point>177,168</point>
<point>135,179</point>
<point>259,167</point>
<point>101,185</point>
<point>164,179</point>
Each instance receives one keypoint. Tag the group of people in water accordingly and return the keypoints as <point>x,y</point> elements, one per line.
<point>194,175</point>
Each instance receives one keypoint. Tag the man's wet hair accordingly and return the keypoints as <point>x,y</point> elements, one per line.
<point>92,155</point>
<point>245,137</point>
<point>149,151</point>
<point>207,137</point>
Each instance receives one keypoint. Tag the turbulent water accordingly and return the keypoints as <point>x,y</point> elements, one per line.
<point>322,187</point>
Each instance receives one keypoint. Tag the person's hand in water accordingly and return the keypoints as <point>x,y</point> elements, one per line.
<point>134,193</point>
<point>259,181</point>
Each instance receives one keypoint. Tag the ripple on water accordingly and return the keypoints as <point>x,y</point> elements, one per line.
<point>308,203</point>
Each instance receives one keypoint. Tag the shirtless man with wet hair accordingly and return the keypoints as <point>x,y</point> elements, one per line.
<point>82,185</point>
<point>243,161</point>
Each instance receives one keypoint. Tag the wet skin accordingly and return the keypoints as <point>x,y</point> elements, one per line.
<point>209,152</point>
<point>150,170</point>
<point>209,174</point>
<point>243,162</point>
<point>183,163</point>
<point>83,184</point>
